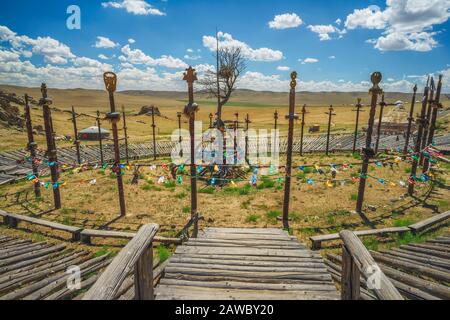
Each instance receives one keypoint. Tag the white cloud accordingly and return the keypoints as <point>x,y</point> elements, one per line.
<point>103,42</point>
<point>283,68</point>
<point>407,24</point>
<point>308,60</point>
<point>103,57</point>
<point>285,21</point>
<point>136,7</point>
<point>332,57</point>
<point>338,22</point>
<point>137,56</point>
<point>226,40</point>
<point>324,31</point>
<point>131,41</point>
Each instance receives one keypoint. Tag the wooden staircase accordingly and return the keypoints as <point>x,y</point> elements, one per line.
<point>245,264</point>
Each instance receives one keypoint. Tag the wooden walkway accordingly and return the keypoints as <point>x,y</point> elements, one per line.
<point>419,271</point>
<point>245,264</point>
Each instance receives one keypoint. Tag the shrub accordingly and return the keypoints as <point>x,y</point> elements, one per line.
<point>252,218</point>
<point>273,214</point>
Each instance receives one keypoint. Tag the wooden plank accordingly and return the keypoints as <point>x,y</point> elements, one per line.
<point>365,263</point>
<point>428,223</point>
<point>245,251</point>
<point>111,280</point>
<point>315,258</point>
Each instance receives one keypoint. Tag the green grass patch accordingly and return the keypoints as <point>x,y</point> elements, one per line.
<point>207,190</point>
<point>266,183</point>
<point>163,253</point>
<point>252,218</point>
<point>186,209</point>
<point>169,184</point>
<point>353,197</point>
<point>371,243</point>
<point>245,204</point>
<point>273,214</point>
<point>403,222</point>
<point>181,195</point>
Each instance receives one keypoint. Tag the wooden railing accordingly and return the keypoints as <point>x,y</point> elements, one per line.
<point>137,257</point>
<point>357,262</point>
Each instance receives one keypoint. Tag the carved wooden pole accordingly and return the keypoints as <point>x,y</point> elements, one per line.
<point>45,102</point>
<point>180,138</point>
<point>190,109</point>
<point>247,122</point>
<point>211,116</point>
<point>368,152</point>
<point>421,124</point>
<point>427,120</point>
<point>32,146</point>
<point>110,80</point>
<point>410,120</point>
<point>76,142</point>
<point>275,117</point>
<point>330,115</point>
<point>235,127</point>
<point>436,106</point>
<point>380,122</point>
<point>287,185</point>
<point>358,111</point>
<point>302,129</point>
<point>125,128</point>
<point>100,137</point>
<point>154,133</point>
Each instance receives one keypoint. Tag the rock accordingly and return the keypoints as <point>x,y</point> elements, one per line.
<point>371,207</point>
<point>147,110</point>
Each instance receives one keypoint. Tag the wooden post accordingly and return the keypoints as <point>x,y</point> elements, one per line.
<point>100,137</point>
<point>110,80</point>
<point>410,120</point>
<point>380,122</point>
<point>154,133</point>
<point>330,114</point>
<point>436,106</point>
<point>275,117</point>
<point>426,124</point>
<point>76,142</point>
<point>190,76</point>
<point>302,129</point>
<point>211,116</point>
<point>358,110</point>
<point>180,138</point>
<point>368,152</point>
<point>125,134</point>
<point>32,146</point>
<point>350,283</point>
<point>235,127</point>
<point>143,276</point>
<point>421,124</point>
<point>287,185</point>
<point>247,122</point>
<point>51,145</point>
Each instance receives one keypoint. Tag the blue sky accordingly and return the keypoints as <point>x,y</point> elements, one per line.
<point>333,45</point>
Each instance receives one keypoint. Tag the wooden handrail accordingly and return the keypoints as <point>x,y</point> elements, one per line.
<point>356,261</point>
<point>137,257</point>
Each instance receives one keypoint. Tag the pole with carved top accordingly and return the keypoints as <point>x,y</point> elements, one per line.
<point>76,142</point>
<point>32,146</point>
<point>358,111</point>
<point>189,111</point>
<point>287,185</point>
<point>427,122</point>
<point>330,115</point>
<point>304,112</point>
<point>110,80</point>
<point>380,122</point>
<point>421,120</point>
<point>410,120</point>
<point>367,152</point>
<point>45,102</point>
<point>436,106</point>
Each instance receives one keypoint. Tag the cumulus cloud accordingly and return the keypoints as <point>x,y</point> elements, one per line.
<point>324,31</point>
<point>106,43</point>
<point>308,60</point>
<point>226,41</point>
<point>283,68</point>
<point>136,7</point>
<point>131,41</point>
<point>137,56</point>
<point>103,57</point>
<point>406,24</point>
<point>285,21</point>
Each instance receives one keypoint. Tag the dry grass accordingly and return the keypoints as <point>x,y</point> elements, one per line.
<point>314,209</point>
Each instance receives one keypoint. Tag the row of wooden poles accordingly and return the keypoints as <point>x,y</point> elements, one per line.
<point>426,122</point>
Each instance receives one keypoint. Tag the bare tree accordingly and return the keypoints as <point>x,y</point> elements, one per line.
<point>221,85</point>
